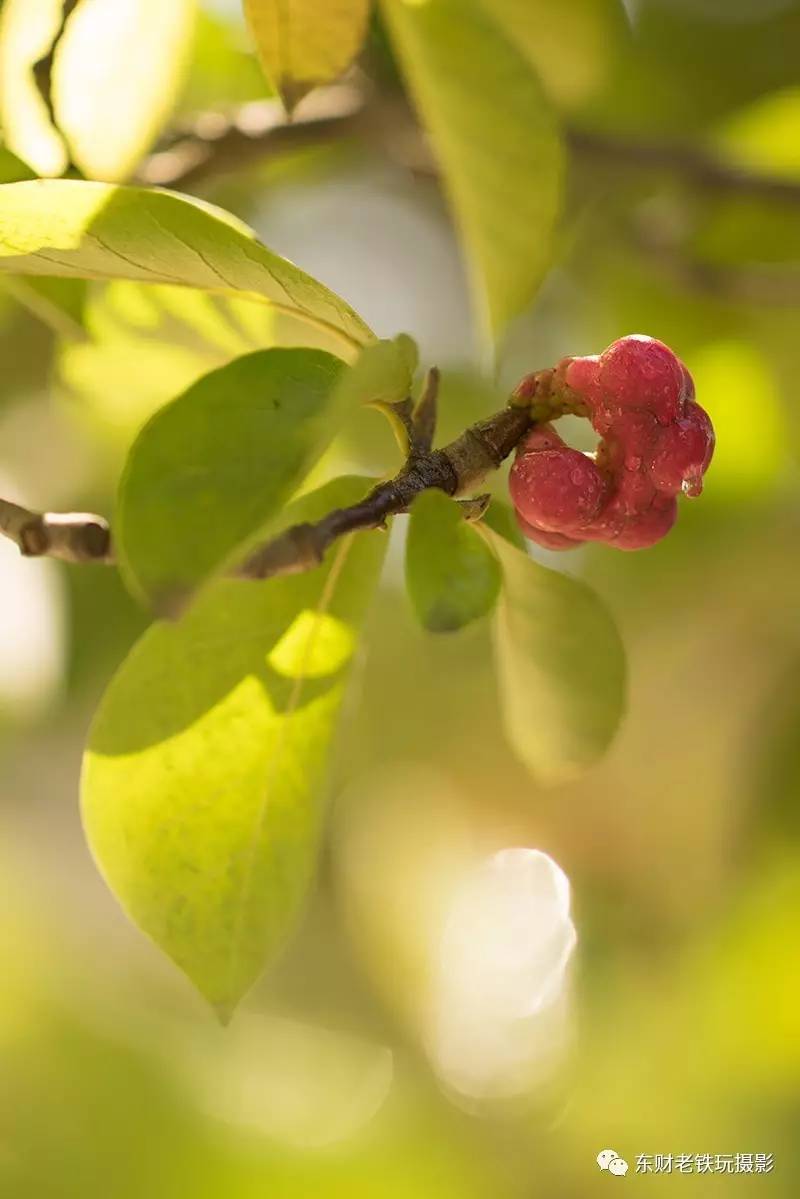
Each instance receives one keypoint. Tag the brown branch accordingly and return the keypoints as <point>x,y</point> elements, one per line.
<point>681,158</point>
<point>215,144</point>
<point>768,285</point>
<point>459,467</point>
<point>70,536</point>
<point>455,469</point>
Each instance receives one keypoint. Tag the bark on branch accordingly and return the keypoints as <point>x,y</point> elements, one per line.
<point>456,469</point>
<point>215,144</point>
<point>70,536</point>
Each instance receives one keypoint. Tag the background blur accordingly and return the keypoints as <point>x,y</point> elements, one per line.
<point>679,1031</point>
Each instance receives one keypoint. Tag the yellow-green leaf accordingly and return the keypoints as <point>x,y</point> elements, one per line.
<point>115,75</point>
<point>98,231</point>
<point>145,344</point>
<point>27,32</point>
<point>203,779</point>
<point>496,142</point>
<point>561,667</point>
<point>302,43</point>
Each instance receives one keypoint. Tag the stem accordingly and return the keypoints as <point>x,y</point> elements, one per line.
<point>455,469</point>
<point>70,536</point>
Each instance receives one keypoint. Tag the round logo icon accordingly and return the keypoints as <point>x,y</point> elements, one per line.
<point>609,1159</point>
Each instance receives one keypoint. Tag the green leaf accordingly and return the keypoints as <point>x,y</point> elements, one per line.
<point>496,142</point>
<point>116,73</point>
<point>208,471</point>
<point>12,169</point>
<point>571,45</point>
<point>302,43</point>
<point>451,574</point>
<point>223,71</point>
<point>500,518</point>
<point>202,780</point>
<point>146,344</point>
<point>384,371</point>
<point>561,667</point>
<point>98,231</point>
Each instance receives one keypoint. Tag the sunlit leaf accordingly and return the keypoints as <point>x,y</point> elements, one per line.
<point>208,470</point>
<point>384,371</point>
<point>561,667</point>
<point>202,781</point>
<point>145,344</point>
<point>451,574</point>
<point>302,43</point>
<point>99,231</point>
<point>27,32</point>
<point>222,70</point>
<point>495,139</point>
<point>117,71</point>
<point>115,75</point>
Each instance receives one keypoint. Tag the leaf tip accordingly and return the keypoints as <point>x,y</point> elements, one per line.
<point>224,1011</point>
<point>291,92</point>
<point>171,603</point>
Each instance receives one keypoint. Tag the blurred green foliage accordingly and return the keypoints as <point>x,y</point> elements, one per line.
<point>681,845</point>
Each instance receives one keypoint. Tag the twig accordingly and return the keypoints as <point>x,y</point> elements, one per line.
<point>681,158</point>
<point>424,416</point>
<point>768,285</point>
<point>70,536</point>
<point>455,469</point>
<point>459,467</point>
<point>215,144</point>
